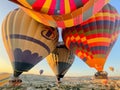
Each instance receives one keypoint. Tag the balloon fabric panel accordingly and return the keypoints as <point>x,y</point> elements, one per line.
<point>74,18</point>
<point>52,7</point>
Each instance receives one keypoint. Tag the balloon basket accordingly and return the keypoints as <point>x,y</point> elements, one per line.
<point>15,82</point>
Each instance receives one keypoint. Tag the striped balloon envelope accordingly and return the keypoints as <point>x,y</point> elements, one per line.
<point>27,41</point>
<point>4,78</point>
<point>52,7</point>
<point>72,18</point>
<point>60,60</point>
<point>93,40</point>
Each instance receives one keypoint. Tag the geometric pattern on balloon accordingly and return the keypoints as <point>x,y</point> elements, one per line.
<point>93,40</point>
<point>56,7</point>
<point>62,20</point>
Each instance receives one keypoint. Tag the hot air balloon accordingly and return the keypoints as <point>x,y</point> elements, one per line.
<point>93,39</point>
<point>64,13</point>
<point>27,41</point>
<point>41,71</point>
<point>111,69</point>
<point>60,60</point>
<point>4,78</point>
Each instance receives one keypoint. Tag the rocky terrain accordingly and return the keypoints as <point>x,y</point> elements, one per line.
<point>37,82</point>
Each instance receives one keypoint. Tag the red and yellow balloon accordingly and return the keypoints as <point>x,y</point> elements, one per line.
<point>93,40</point>
<point>67,13</point>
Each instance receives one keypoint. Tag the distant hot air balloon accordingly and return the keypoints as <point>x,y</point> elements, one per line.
<point>4,78</point>
<point>61,13</point>
<point>41,71</point>
<point>60,60</point>
<point>27,41</point>
<point>93,40</point>
<point>111,69</point>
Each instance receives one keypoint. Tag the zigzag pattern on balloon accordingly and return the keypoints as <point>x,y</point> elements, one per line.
<point>93,40</point>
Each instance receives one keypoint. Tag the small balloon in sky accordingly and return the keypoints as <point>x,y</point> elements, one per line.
<point>111,68</point>
<point>41,71</point>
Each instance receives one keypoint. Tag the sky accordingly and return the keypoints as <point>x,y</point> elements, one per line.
<point>78,68</point>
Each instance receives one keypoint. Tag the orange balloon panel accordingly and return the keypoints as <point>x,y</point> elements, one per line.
<point>93,40</point>
<point>41,71</point>
<point>67,20</point>
<point>27,41</point>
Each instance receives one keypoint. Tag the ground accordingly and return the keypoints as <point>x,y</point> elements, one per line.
<point>39,82</point>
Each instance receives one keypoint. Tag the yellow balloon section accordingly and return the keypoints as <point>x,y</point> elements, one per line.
<point>60,60</point>
<point>27,41</point>
<point>93,40</point>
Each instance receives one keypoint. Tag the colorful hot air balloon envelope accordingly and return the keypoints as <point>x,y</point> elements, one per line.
<point>27,41</point>
<point>52,7</point>
<point>93,40</point>
<point>69,19</point>
<point>60,60</point>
